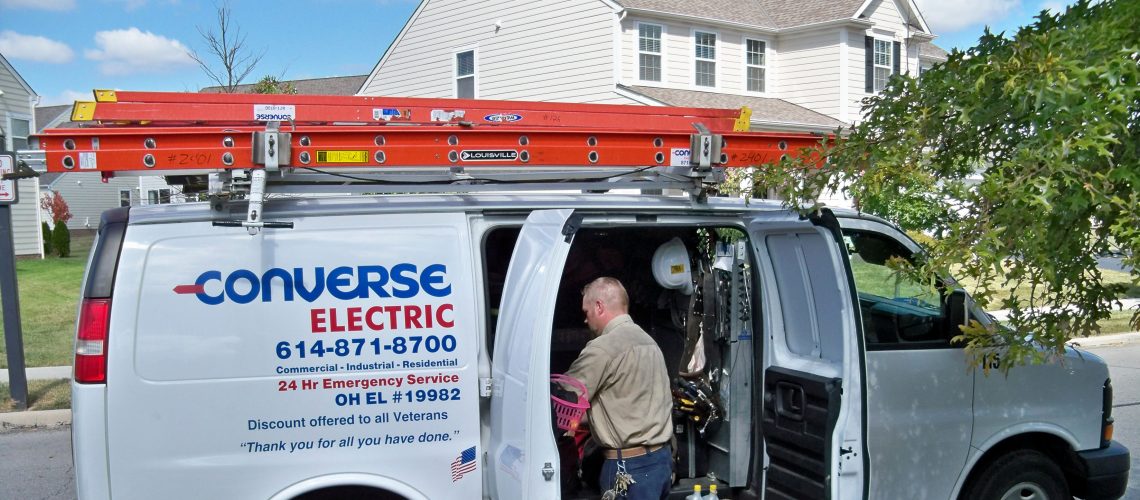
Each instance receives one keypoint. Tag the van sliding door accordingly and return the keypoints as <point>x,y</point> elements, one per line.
<point>522,454</point>
<point>811,410</point>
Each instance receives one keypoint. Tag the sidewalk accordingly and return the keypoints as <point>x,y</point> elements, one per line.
<point>41,373</point>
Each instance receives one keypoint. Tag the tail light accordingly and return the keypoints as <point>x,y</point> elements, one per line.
<point>91,343</point>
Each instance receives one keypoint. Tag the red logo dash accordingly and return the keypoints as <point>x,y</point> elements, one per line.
<point>187,289</point>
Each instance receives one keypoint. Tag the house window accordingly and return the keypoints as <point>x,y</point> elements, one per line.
<point>754,61</point>
<point>158,196</point>
<point>649,52</point>
<point>21,129</point>
<point>465,74</point>
<point>124,197</point>
<point>883,64</point>
<point>705,52</point>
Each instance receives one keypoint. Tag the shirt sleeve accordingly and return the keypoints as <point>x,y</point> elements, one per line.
<point>590,369</point>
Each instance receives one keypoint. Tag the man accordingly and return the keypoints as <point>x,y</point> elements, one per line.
<point>630,398</point>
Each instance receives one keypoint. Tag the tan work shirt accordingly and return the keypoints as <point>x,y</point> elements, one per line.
<point>630,397</point>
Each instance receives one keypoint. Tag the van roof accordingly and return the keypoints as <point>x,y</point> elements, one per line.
<point>279,208</point>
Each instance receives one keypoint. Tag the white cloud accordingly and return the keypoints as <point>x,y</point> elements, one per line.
<point>948,17</point>
<point>66,97</point>
<point>34,48</point>
<point>130,51</point>
<point>1054,7</point>
<point>56,5</point>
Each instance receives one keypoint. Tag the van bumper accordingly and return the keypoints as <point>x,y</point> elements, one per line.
<point>1102,473</point>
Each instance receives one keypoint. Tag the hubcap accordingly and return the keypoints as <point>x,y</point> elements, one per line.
<point>1025,491</point>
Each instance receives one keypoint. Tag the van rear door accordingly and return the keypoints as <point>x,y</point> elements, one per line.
<point>812,389</point>
<point>340,352</point>
<point>523,456</point>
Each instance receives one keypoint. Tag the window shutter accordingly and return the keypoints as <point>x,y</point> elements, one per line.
<point>869,64</point>
<point>898,55</point>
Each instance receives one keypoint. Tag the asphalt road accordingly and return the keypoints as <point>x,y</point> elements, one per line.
<point>36,465</point>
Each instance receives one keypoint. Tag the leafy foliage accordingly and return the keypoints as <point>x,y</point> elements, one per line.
<point>1021,156</point>
<point>61,240</point>
<point>45,231</point>
<point>270,84</point>
<point>54,204</point>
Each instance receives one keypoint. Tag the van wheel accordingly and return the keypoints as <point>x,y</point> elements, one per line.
<point>1020,475</point>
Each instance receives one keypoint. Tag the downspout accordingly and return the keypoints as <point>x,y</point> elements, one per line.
<point>620,16</point>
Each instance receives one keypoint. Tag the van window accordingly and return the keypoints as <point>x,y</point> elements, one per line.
<point>898,312</point>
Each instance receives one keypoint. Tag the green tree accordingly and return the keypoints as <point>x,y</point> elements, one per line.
<point>270,84</point>
<point>61,240</point>
<point>45,231</point>
<point>1021,156</point>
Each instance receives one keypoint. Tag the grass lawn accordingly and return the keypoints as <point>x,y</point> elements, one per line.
<point>49,299</point>
<point>42,395</point>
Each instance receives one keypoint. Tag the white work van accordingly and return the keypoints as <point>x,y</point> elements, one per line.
<point>402,345</point>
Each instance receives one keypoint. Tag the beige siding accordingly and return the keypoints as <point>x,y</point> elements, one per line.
<point>546,50</point>
<point>25,219</point>
<point>856,72</point>
<point>16,103</point>
<point>888,17</point>
<point>809,71</point>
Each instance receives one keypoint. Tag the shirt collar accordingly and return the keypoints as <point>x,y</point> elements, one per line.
<point>616,322</point>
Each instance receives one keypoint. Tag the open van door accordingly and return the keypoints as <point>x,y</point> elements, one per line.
<point>812,403</point>
<point>523,460</point>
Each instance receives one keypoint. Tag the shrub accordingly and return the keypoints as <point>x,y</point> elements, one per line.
<point>45,229</point>
<point>61,240</point>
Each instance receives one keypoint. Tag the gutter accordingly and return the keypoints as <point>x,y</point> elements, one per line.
<point>856,23</point>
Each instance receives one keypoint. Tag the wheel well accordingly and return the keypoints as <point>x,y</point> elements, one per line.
<point>1048,444</point>
<point>350,493</point>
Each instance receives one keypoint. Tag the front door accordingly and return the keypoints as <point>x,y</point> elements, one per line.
<point>812,388</point>
<point>523,456</point>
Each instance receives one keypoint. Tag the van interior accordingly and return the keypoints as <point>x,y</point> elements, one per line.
<point>702,322</point>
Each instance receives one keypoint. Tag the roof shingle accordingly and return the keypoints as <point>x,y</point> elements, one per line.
<point>336,85</point>
<point>763,13</point>
<point>764,109</point>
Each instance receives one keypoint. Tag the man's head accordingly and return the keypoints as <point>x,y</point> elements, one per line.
<point>603,300</point>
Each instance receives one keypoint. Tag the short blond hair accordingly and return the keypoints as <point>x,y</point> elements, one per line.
<point>609,291</point>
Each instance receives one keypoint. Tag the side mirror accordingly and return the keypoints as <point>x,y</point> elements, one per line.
<point>957,309</point>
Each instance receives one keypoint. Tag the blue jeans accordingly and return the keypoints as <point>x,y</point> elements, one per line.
<point>651,472</point>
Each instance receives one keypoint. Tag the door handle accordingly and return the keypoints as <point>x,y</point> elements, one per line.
<point>789,401</point>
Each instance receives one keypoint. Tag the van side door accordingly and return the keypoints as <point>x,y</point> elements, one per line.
<point>812,389</point>
<point>522,454</point>
<point>920,389</point>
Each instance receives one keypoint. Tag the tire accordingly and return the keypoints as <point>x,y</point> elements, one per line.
<point>1020,475</point>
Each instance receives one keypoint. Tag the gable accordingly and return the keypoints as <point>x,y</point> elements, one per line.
<point>6,67</point>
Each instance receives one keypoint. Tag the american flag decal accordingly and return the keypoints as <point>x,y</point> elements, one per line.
<point>463,464</point>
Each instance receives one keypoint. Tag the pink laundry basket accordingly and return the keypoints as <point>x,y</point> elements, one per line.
<point>567,414</point>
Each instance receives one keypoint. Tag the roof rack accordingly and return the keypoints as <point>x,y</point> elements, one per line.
<point>252,143</point>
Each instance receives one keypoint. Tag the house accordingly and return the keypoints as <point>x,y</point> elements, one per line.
<point>87,194</point>
<point>800,65</point>
<point>17,121</point>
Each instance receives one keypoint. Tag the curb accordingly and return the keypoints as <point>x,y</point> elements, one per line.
<point>1105,340</point>
<point>41,419</point>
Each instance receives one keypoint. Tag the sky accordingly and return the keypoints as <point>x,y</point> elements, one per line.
<point>66,48</point>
